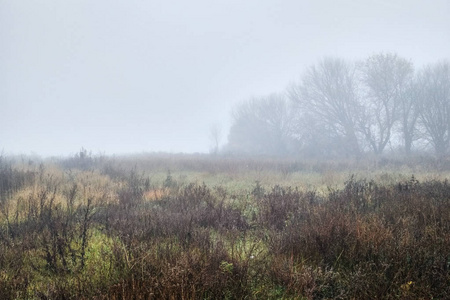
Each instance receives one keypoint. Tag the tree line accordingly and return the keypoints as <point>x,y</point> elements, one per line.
<point>341,108</point>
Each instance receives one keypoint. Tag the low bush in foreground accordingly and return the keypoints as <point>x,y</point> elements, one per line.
<point>84,234</point>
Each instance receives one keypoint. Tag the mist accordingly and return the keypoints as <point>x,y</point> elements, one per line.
<point>142,76</point>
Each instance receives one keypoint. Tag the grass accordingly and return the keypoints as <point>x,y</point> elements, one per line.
<point>193,227</point>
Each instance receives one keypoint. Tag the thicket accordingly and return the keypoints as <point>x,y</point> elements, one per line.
<point>111,233</point>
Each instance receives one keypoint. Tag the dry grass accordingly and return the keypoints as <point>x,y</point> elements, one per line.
<point>109,231</point>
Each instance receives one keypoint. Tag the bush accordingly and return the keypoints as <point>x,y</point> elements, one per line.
<point>100,237</point>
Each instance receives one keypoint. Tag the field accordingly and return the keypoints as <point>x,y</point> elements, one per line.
<point>162,226</point>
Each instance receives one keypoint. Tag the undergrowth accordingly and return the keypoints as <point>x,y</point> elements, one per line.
<point>112,233</point>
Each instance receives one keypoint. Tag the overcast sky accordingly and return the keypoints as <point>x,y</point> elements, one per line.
<point>134,76</point>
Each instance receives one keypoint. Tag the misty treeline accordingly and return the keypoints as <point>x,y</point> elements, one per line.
<point>343,108</point>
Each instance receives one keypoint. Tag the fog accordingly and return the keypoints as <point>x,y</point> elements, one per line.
<point>139,76</point>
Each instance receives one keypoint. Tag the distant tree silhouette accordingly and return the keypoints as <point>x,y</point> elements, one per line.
<point>343,109</point>
<point>261,125</point>
<point>385,79</point>
<point>327,97</point>
<point>434,86</point>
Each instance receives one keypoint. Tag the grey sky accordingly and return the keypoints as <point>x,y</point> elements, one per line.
<point>133,76</point>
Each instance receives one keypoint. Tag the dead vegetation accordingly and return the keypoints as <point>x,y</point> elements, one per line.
<point>114,234</point>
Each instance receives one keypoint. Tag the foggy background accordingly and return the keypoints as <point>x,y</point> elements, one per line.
<point>132,76</point>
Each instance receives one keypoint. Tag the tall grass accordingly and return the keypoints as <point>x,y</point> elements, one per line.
<point>111,231</point>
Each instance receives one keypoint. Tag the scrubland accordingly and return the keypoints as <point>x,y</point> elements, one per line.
<point>166,226</point>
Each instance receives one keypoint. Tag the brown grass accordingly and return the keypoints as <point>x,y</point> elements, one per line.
<point>95,235</point>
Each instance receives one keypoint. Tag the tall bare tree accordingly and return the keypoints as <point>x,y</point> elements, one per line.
<point>409,114</point>
<point>215,136</point>
<point>434,84</point>
<point>385,79</point>
<point>327,96</point>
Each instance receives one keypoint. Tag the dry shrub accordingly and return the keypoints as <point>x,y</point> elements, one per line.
<point>364,241</point>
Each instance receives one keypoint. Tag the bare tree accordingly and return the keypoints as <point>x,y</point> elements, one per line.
<point>409,114</point>
<point>327,96</point>
<point>261,125</point>
<point>215,137</point>
<point>385,78</point>
<point>434,84</point>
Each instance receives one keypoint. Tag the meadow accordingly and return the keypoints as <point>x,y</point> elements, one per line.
<point>173,226</point>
